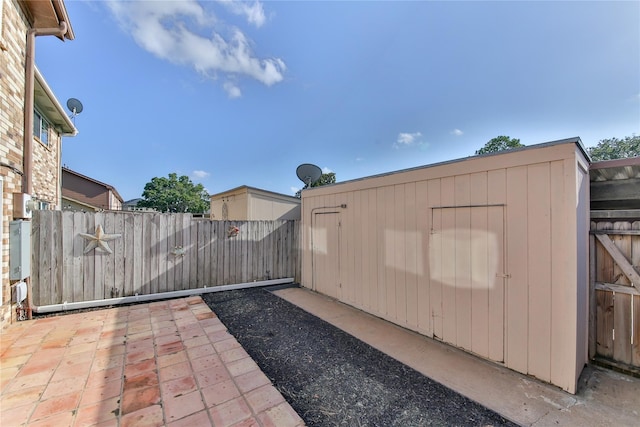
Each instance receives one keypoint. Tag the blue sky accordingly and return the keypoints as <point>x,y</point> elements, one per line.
<point>237,93</point>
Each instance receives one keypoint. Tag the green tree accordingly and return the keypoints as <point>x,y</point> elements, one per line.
<point>500,143</point>
<point>174,194</point>
<point>614,148</point>
<point>325,178</point>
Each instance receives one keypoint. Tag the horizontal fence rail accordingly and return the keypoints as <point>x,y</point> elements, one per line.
<point>153,253</point>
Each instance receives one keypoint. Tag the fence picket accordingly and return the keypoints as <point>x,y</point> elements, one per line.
<point>76,249</point>
<point>129,259</point>
<point>215,250</point>
<point>184,245</point>
<point>109,286</point>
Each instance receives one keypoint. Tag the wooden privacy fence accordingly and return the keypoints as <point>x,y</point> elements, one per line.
<point>153,252</point>
<point>615,292</point>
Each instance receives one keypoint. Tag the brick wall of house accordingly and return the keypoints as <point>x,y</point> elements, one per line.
<point>46,178</point>
<point>46,171</point>
<point>12,81</point>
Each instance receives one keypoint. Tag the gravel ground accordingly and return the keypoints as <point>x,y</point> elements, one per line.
<point>333,379</point>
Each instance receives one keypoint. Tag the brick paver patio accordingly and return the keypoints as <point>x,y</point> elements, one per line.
<point>167,363</point>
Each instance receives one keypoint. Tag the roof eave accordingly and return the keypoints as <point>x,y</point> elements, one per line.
<point>49,14</point>
<point>58,115</point>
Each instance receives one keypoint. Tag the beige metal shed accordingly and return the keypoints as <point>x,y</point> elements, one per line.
<point>488,254</point>
<point>251,204</point>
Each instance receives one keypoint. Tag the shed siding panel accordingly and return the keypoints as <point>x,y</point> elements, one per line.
<point>448,261</point>
<point>558,230</point>
<point>497,195</point>
<point>563,298</point>
<point>306,251</point>
<point>480,268</point>
<point>412,257</point>
<point>539,260</point>
<point>355,247</point>
<point>372,279</point>
<point>435,268</point>
<point>361,249</point>
<point>463,261</point>
<point>578,277</point>
<point>398,254</point>
<point>389,256</point>
<point>423,226</point>
<point>380,262</point>
<point>517,304</point>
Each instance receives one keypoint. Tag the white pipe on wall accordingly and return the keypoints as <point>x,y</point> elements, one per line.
<point>154,297</point>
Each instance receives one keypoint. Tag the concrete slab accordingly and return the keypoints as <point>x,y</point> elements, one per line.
<point>604,398</point>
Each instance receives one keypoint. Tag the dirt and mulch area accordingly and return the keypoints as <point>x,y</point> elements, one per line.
<point>330,377</point>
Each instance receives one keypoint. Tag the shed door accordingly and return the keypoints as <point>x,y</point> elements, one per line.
<point>467,263</point>
<point>325,253</point>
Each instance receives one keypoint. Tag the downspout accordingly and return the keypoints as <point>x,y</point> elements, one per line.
<point>27,177</point>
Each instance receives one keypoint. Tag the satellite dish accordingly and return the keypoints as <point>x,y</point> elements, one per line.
<point>75,106</point>
<point>308,173</point>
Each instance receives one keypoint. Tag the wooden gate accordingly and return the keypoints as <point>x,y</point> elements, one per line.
<point>615,294</point>
<point>152,253</point>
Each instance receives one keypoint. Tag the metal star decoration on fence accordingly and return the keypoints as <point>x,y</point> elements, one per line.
<point>99,240</point>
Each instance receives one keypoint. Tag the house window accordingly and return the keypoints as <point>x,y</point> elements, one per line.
<point>41,128</point>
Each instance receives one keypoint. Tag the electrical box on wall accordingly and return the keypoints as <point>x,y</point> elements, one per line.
<point>22,205</point>
<point>19,249</point>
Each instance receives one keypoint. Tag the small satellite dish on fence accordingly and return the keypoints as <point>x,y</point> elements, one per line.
<point>75,106</point>
<point>308,173</point>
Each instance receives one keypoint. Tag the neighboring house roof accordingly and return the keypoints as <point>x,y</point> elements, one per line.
<point>132,202</point>
<point>132,205</point>
<point>253,190</point>
<point>95,181</point>
<point>48,14</point>
<point>49,105</point>
<point>79,203</point>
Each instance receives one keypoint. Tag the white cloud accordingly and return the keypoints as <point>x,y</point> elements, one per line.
<point>456,132</point>
<point>173,31</point>
<point>253,12</point>
<point>232,90</point>
<point>200,174</point>
<point>326,170</point>
<point>294,190</point>
<point>407,139</point>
